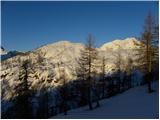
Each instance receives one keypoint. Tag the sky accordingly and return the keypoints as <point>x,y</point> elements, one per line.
<point>29,25</point>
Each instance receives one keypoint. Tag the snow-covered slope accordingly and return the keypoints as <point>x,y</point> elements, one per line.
<point>64,53</point>
<point>4,55</point>
<point>135,103</point>
<point>62,50</point>
<point>128,43</point>
<point>2,51</point>
<point>118,48</point>
<point>47,73</point>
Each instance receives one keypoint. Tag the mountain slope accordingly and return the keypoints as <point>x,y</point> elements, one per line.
<point>135,103</point>
<point>2,51</point>
<point>63,54</point>
<point>128,43</point>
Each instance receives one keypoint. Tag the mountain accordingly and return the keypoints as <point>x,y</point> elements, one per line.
<point>6,55</point>
<point>63,51</point>
<point>2,51</point>
<point>10,54</point>
<point>128,43</point>
<point>49,59</point>
<point>118,48</point>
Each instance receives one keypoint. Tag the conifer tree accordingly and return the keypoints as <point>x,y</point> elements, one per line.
<point>22,101</point>
<point>103,77</point>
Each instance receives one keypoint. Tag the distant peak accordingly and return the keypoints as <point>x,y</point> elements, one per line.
<point>2,51</point>
<point>63,41</point>
<point>125,43</point>
<point>2,48</point>
<point>131,39</point>
<point>60,44</point>
<point>125,40</point>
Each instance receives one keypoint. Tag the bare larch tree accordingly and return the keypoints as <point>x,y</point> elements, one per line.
<point>86,67</point>
<point>148,49</point>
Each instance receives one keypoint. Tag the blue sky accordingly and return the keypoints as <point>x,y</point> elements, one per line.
<point>28,25</point>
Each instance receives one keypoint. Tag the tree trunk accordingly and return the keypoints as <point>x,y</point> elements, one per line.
<point>149,83</point>
<point>89,98</point>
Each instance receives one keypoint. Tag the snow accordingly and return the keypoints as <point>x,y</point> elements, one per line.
<point>64,52</point>
<point>2,51</point>
<point>128,43</point>
<point>132,104</point>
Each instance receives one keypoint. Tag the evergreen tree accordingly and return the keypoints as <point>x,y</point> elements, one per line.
<point>43,98</point>
<point>103,77</point>
<point>118,63</point>
<point>22,103</point>
<point>43,108</point>
<point>63,88</point>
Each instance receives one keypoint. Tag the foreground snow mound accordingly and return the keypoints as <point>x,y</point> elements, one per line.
<point>132,104</point>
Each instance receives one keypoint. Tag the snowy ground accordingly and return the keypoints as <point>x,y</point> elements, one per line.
<point>134,103</point>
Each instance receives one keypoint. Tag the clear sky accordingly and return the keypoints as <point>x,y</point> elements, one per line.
<point>28,25</point>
